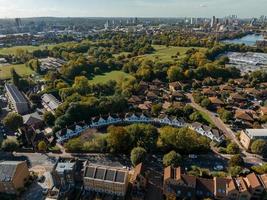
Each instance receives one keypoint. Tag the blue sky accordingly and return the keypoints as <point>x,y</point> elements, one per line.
<point>131,8</point>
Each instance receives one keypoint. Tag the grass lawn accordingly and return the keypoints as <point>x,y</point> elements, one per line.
<point>207,118</point>
<point>120,54</point>
<point>21,69</point>
<point>114,75</point>
<point>12,50</point>
<point>164,54</point>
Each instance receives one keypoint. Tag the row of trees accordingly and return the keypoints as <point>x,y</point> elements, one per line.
<point>123,139</point>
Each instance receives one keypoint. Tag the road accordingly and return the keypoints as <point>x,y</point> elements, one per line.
<point>249,158</point>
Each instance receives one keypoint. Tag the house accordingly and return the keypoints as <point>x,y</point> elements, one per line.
<point>143,86</point>
<point>244,116</point>
<point>209,92</point>
<point>158,83</point>
<point>255,186</point>
<point>179,185</point>
<point>139,182</point>
<point>177,96</point>
<point>227,88</point>
<point>13,176</point>
<point>166,105</point>
<point>135,100</point>
<point>249,135</point>
<point>215,101</point>
<point>236,98</point>
<point>16,99</point>
<point>252,92</point>
<point>213,134</point>
<point>33,120</point>
<point>263,111</point>
<point>241,82</point>
<point>106,180</point>
<point>175,86</point>
<point>151,96</point>
<point>50,102</point>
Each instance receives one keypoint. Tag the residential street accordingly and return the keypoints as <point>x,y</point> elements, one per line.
<point>249,158</point>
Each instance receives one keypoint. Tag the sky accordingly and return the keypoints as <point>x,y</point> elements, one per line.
<point>132,8</point>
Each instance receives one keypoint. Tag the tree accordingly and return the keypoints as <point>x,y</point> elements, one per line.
<point>15,77</point>
<point>156,108</point>
<point>49,118</point>
<point>172,158</point>
<point>13,121</point>
<point>138,155</point>
<point>232,148</point>
<point>175,73</point>
<point>259,147</point>
<point>119,141</point>
<point>205,103</point>
<point>236,160</point>
<point>196,117</point>
<point>81,85</point>
<point>235,171</point>
<point>225,115</point>
<point>182,140</point>
<point>42,146</point>
<point>10,144</point>
<point>74,145</point>
<point>143,135</point>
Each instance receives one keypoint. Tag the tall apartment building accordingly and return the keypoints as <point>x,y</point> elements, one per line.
<point>178,185</point>
<point>13,176</point>
<point>16,99</point>
<point>106,180</point>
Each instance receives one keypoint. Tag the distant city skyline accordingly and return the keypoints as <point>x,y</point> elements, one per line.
<point>132,8</point>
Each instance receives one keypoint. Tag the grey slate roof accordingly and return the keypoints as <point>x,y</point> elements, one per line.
<point>7,170</point>
<point>15,93</point>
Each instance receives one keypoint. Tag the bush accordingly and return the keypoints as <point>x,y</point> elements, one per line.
<point>42,146</point>
<point>172,158</point>
<point>232,148</point>
<point>49,118</point>
<point>74,145</point>
<point>260,169</point>
<point>10,145</point>
<point>236,160</point>
<point>138,155</point>
<point>205,103</point>
<point>235,171</point>
<point>259,147</point>
<point>13,121</point>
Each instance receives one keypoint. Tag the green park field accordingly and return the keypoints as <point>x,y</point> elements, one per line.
<point>21,69</point>
<point>114,75</point>
<point>12,50</point>
<point>164,54</point>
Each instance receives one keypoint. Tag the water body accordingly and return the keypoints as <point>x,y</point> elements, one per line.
<point>249,40</point>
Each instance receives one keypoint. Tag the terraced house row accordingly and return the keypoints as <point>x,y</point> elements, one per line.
<point>179,185</point>
<point>77,129</point>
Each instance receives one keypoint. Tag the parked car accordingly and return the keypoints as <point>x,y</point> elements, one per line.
<point>192,156</point>
<point>218,167</point>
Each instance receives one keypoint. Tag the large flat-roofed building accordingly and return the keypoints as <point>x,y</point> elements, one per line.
<point>50,102</point>
<point>106,180</point>
<point>249,135</point>
<point>16,98</point>
<point>13,176</point>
